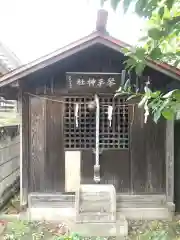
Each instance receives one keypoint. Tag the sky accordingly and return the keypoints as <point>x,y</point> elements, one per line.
<point>33,28</point>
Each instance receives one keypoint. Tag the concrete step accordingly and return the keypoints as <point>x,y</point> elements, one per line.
<point>118,229</point>
<point>122,201</point>
<point>155,198</point>
<point>158,213</point>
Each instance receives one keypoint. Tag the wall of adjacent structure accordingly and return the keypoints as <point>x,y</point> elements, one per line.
<point>9,161</point>
<point>177,165</point>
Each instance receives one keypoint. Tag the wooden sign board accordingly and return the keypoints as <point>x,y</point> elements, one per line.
<point>96,203</point>
<point>93,82</point>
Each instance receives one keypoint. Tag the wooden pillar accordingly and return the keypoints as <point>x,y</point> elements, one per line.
<point>170,161</point>
<point>24,137</point>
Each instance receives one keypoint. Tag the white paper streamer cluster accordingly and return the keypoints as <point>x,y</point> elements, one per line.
<point>76,113</point>
<point>110,110</point>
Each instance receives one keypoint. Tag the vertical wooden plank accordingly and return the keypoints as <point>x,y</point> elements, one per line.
<point>37,144</point>
<point>155,155</point>
<point>55,155</point>
<point>87,169</point>
<point>170,161</point>
<point>115,169</point>
<point>23,106</point>
<point>137,150</point>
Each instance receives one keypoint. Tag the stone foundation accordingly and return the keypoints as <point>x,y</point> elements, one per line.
<point>62,208</point>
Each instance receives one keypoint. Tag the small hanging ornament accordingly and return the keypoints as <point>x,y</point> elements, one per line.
<point>76,113</point>
<point>110,109</point>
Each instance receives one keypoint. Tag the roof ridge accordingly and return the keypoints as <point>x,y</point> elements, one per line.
<point>65,51</point>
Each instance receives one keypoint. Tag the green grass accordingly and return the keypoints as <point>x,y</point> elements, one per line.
<point>154,230</point>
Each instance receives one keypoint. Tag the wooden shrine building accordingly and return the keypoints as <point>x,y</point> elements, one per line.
<point>56,95</point>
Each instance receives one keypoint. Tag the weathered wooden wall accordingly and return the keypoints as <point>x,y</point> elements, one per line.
<point>147,154</point>
<point>144,164</point>
<point>46,157</point>
<point>9,157</point>
<point>141,169</point>
<point>114,168</point>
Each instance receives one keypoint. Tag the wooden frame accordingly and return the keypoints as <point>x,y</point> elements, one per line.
<point>24,145</point>
<point>170,161</point>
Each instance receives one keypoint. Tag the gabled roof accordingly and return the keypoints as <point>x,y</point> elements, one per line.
<point>81,44</point>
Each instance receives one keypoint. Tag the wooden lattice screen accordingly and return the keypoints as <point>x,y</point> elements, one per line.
<point>115,136</point>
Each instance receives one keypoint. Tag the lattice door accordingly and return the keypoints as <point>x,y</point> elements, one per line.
<point>115,136</point>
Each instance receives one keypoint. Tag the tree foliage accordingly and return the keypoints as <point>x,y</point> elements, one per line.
<point>155,103</point>
<point>160,42</point>
<point>161,36</point>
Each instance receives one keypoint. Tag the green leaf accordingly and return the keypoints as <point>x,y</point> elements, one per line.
<point>145,8</point>
<point>175,106</point>
<point>140,53</point>
<point>164,104</point>
<point>168,29</point>
<point>126,51</point>
<point>176,94</point>
<point>157,106</point>
<point>168,114</point>
<point>156,54</point>
<point>177,62</point>
<point>161,11</point>
<point>140,6</point>
<point>173,21</point>
<point>154,103</point>
<point>126,4</point>
<point>75,235</point>
<point>169,3</point>
<point>114,4</point>
<point>131,62</point>
<point>155,94</point>
<point>155,33</point>
<point>139,68</point>
<point>160,107</point>
<point>167,14</point>
<point>149,8</point>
